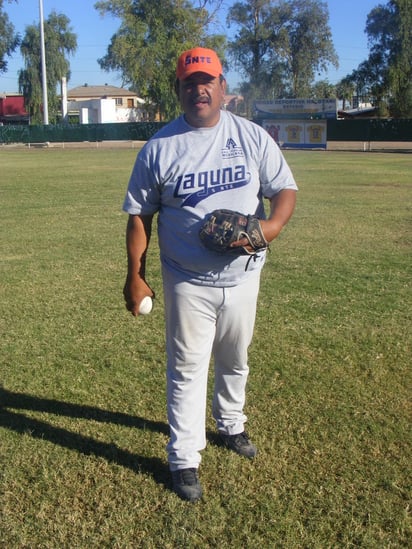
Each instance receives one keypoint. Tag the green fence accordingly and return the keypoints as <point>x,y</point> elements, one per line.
<point>78,133</point>
<point>370,130</point>
<point>338,130</point>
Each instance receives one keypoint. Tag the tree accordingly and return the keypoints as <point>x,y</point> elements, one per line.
<point>259,30</point>
<point>322,90</point>
<point>9,40</point>
<point>280,46</point>
<point>60,42</point>
<point>386,75</point>
<point>146,47</point>
<point>310,49</point>
<point>400,67</point>
<point>345,90</point>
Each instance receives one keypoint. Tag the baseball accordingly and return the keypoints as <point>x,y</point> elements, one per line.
<point>146,305</point>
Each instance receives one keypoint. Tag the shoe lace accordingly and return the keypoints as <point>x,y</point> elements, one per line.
<point>188,476</point>
<point>242,439</point>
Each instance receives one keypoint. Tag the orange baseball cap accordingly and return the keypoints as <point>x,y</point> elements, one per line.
<point>198,60</point>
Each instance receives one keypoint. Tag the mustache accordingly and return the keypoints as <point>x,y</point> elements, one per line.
<point>201,99</point>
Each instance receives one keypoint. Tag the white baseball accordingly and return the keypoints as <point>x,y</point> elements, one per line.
<point>146,305</point>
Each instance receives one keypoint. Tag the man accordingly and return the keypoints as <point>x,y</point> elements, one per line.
<point>204,160</point>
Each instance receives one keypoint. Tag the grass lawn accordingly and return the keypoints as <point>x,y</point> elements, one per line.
<point>82,390</point>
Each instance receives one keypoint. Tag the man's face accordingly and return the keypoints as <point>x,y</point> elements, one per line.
<point>201,97</point>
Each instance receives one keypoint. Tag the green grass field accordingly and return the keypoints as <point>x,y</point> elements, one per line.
<point>82,390</point>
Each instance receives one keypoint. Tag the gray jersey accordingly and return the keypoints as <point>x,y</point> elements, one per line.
<point>184,173</point>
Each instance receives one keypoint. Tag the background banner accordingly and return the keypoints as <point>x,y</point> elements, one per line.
<point>297,134</point>
<point>299,108</point>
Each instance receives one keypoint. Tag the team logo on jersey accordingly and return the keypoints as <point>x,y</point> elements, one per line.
<point>232,150</point>
<point>195,187</point>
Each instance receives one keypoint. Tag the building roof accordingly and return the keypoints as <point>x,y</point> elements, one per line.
<point>360,112</point>
<point>4,95</point>
<point>99,91</point>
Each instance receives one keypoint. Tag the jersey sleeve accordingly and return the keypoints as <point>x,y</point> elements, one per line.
<point>274,172</point>
<point>142,195</point>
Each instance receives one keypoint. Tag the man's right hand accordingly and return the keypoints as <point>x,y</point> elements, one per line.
<point>135,289</point>
<point>137,240</point>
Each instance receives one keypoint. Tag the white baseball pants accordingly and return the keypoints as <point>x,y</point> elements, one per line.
<point>201,322</point>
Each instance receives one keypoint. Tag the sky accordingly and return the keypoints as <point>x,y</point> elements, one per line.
<point>347,20</point>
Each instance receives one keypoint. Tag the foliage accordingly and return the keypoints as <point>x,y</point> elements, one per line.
<point>310,47</point>
<point>386,75</point>
<point>83,423</point>
<point>146,46</point>
<point>279,46</point>
<point>322,89</point>
<point>400,67</point>
<point>60,41</point>
<point>9,40</point>
<point>345,89</point>
<point>257,29</point>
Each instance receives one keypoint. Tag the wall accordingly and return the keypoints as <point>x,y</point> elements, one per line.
<point>338,130</point>
<point>140,131</point>
<point>104,111</point>
<point>12,109</point>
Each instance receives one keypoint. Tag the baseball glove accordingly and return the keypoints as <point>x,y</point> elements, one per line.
<point>222,227</point>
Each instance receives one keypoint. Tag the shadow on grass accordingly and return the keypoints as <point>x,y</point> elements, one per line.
<point>22,424</point>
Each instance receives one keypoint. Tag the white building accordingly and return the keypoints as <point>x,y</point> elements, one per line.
<point>105,104</point>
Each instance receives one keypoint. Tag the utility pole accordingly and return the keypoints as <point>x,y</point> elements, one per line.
<point>43,67</point>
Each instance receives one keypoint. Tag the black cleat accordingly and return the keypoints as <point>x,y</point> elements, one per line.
<point>240,444</point>
<point>186,484</point>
